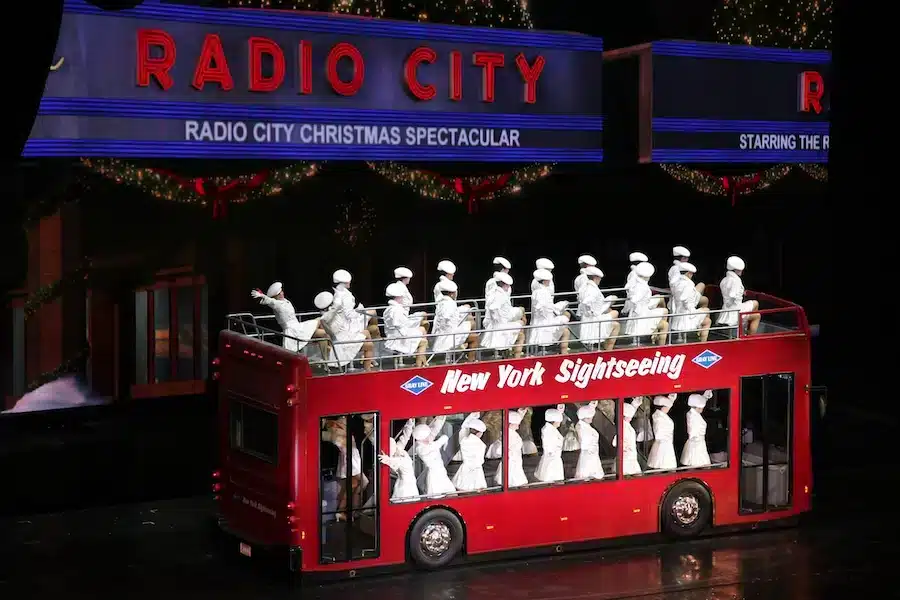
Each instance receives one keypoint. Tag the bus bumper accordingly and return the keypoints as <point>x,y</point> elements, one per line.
<point>275,556</point>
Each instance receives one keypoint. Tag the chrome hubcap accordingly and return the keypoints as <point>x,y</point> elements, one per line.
<point>686,509</point>
<point>435,538</point>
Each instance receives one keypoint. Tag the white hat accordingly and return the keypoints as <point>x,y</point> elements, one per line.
<point>496,275</point>
<point>699,400</point>
<point>686,267</point>
<point>504,278</point>
<point>341,276</point>
<point>445,266</point>
<point>586,412</point>
<point>593,272</point>
<point>734,263</point>
<point>515,417</point>
<point>681,251</point>
<point>637,257</point>
<point>637,401</point>
<point>645,270</point>
<point>401,272</point>
<point>552,415</point>
<point>665,400</point>
<point>395,290</point>
<point>421,432</point>
<point>587,259</point>
<point>274,289</point>
<point>446,285</point>
<point>629,410</point>
<point>499,260</point>
<point>543,275</point>
<point>544,263</point>
<point>323,300</point>
<point>476,424</point>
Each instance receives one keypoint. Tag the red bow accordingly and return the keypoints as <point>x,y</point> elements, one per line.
<point>737,185</point>
<point>472,192</point>
<point>220,196</point>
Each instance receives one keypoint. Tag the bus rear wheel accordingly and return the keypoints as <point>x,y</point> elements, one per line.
<point>436,538</point>
<point>686,510</point>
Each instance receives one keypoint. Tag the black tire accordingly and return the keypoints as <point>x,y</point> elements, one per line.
<point>686,510</point>
<point>440,529</point>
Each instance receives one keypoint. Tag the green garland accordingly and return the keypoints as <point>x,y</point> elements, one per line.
<point>72,365</point>
<point>50,292</point>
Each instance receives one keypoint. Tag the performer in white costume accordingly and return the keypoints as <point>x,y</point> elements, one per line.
<point>689,303</point>
<point>584,261</point>
<point>336,432</point>
<point>635,258</point>
<point>630,464</point>
<point>662,453</point>
<point>647,317</point>
<point>732,290</point>
<point>589,465</point>
<point>680,254</point>
<point>695,453</point>
<point>547,265</point>
<point>296,334</point>
<point>598,324</point>
<point>452,323</point>
<point>404,332</point>
<point>501,265</point>
<point>550,467</point>
<point>346,321</point>
<point>517,475</point>
<point>428,449</point>
<point>469,477</point>
<point>400,462</point>
<point>503,322</point>
<point>402,275</point>
<point>549,319</point>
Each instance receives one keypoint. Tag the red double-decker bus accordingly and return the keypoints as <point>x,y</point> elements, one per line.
<point>300,443</point>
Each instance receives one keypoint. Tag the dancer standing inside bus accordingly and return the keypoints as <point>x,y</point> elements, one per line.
<point>589,465</point>
<point>550,467</point>
<point>695,453</point>
<point>517,475</point>
<point>469,477</point>
<point>428,449</point>
<point>662,453</point>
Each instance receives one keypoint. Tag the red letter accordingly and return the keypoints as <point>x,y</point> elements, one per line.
<point>812,87</point>
<point>530,75</point>
<point>148,66</point>
<point>456,76</point>
<point>487,61</point>
<point>339,51</point>
<point>423,54</point>
<point>257,47</point>
<point>212,66</point>
<point>305,68</point>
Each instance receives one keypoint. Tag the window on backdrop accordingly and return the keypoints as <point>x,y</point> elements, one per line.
<point>670,432</point>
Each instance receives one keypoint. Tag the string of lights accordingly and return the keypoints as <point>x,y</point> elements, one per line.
<point>799,24</point>
<point>713,185</point>
<point>355,222</point>
<point>437,187</point>
<point>816,171</point>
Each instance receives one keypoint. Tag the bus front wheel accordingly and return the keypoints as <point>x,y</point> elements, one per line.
<point>435,539</point>
<point>686,509</point>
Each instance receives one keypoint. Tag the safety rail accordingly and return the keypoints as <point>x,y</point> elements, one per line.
<point>784,319</point>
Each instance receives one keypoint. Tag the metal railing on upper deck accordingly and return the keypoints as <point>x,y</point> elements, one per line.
<point>777,317</point>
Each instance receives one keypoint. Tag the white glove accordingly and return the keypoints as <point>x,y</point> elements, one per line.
<point>257,294</point>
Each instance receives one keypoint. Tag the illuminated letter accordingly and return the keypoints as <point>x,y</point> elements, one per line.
<point>530,75</point>
<point>259,46</point>
<point>423,54</point>
<point>212,66</point>
<point>155,67</point>
<point>488,61</point>
<point>456,76</point>
<point>339,51</point>
<point>305,68</point>
<point>812,88</point>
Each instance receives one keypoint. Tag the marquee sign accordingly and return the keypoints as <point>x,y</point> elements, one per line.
<point>177,81</point>
<point>715,103</point>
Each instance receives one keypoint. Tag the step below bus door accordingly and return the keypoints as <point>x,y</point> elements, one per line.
<point>766,403</point>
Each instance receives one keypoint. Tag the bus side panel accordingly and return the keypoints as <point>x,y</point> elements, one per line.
<point>260,390</point>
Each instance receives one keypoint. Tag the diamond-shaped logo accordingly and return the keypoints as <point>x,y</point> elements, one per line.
<point>706,359</point>
<point>416,385</point>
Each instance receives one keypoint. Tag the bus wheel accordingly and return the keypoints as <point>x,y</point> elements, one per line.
<point>686,510</point>
<point>436,539</point>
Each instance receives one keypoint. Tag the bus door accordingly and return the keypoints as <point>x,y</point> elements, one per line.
<point>349,511</point>
<point>766,442</point>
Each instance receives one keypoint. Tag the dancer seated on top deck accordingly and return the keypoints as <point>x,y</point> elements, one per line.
<point>296,334</point>
<point>691,313</point>
<point>732,290</point>
<point>346,320</point>
<point>504,322</point>
<point>647,317</point>
<point>598,324</point>
<point>404,332</point>
<point>402,275</point>
<point>452,323</point>
<point>549,320</point>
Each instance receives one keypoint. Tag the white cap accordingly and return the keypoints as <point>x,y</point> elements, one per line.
<point>637,257</point>
<point>587,259</point>
<point>515,417</point>
<point>734,263</point>
<point>628,410</point>
<point>323,300</point>
<point>699,400</point>
<point>544,263</point>
<point>586,412</point>
<point>499,260</point>
<point>341,276</point>
<point>665,400</point>
<point>274,289</point>
<point>421,432</point>
<point>593,272</point>
<point>503,278</point>
<point>445,266</point>
<point>476,424</point>
<point>401,272</point>
<point>678,251</point>
<point>645,270</point>
<point>552,415</point>
<point>637,401</point>
<point>686,267</point>
<point>395,290</point>
<point>446,285</point>
<point>543,275</point>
